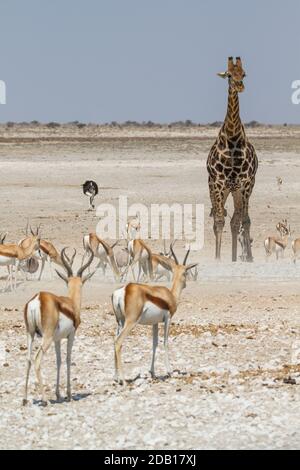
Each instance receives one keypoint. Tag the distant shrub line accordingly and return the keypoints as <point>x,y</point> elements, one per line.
<point>133,124</point>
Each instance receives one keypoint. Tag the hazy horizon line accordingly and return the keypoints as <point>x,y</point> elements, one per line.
<point>132,123</point>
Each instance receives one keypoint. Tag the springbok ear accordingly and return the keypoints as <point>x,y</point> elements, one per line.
<point>62,276</point>
<point>191,266</point>
<point>166,264</point>
<point>222,74</point>
<point>86,278</point>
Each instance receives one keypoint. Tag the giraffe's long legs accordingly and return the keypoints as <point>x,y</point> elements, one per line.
<point>218,198</point>
<point>236,221</point>
<point>246,222</point>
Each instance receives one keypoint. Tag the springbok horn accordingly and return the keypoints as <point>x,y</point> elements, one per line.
<point>173,254</point>
<point>115,244</point>
<point>65,263</point>
<point>71,261</point>
<point>186,256</point>
<point>62,276</point>
<point>86,265</point>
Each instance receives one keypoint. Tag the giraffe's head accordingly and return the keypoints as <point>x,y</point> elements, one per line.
<point>235,74</point>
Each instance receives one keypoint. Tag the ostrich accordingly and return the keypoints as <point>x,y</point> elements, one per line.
<point>90,189</point>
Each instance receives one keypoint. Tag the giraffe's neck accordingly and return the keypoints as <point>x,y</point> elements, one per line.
<point>233,125</point>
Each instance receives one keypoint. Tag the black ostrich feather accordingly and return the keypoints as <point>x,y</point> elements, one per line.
<point>90,188</point>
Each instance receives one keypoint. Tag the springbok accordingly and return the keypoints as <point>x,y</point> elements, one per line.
<point>160,271</point>
<point>133,227</point>
<point>55,318</point>
<point>122,259</point>
<point>48,252</point>
<point>12,255</point>
<point>147,305</point>
<point>278,245</point>
<point>140,253</point>
<point>103,251</point>
<point>159,267</point>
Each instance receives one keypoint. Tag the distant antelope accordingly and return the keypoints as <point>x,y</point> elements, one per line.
<point>147,305</point>
<point>122,259</point>
<point>133,228</point>
<point>103,251</point>
<point>163,265</point>
<point>12,255</point>
<point>193,274</point>
<point>47,252</point>
<point>159,266</point>
<point>123,262</point>
<point>55,318</point>
<point>282,226</point>
<point>278,245</point>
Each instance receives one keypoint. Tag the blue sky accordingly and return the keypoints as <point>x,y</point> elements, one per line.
<point>104,60</point>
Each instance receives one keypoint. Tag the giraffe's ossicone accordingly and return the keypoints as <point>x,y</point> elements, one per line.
<point>232,165</point>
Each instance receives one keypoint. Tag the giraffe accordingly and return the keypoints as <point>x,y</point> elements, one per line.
<point>232,164</point>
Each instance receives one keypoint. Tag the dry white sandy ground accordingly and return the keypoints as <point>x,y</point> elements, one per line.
<point>235,338</point>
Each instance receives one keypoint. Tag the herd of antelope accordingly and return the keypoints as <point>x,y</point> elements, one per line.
<point>278,245</point>
<point>54,317</point>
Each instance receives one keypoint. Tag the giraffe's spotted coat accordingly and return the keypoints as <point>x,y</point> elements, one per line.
<point>232,165</point>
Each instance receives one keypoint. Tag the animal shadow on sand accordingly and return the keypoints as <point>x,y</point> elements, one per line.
<point>76,397</point>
